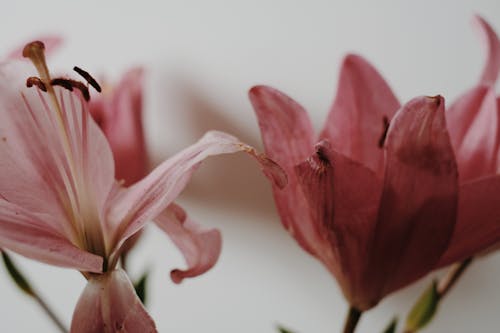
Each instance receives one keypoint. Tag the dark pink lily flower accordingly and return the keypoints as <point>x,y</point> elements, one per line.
<point>387,193</point>
<point>61,204</point>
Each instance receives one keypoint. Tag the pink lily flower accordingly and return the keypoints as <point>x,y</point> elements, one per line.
<point>387,193</point>
<point>60,203</point>
<point>118,113</point>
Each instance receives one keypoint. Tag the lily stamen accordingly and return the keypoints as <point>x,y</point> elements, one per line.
<point>90,80</point>
<point>36,81</point>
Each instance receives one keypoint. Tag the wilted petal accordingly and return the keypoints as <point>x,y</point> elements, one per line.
<point>478,225</point>
<point>29,235</point>
<point>343,198</point>
<point>109,304</point>
<point>358,119</point>
<point>119,114</point>
<point>288,139</point>
<point>492,66</point>
<point>133,207</point>
<point>200,247</point>
<point>418,205</point>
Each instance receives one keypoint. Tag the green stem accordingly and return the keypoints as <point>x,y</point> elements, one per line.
<point>23,284</point>
<point>352,319</point>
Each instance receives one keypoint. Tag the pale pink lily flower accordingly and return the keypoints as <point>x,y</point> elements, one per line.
<point>60,203</point>
<point>387,193</point>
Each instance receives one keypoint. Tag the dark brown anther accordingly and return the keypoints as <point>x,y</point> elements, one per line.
<point>88,78</point>
<point>70,84</point>
<point>65,83</point>
<point>386,123</point>
<point>36,81</point>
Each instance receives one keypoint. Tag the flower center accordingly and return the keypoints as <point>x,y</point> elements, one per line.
<point>80,204</point>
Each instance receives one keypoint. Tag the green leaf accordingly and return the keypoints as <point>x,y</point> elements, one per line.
<point>16,275</point>
<point>140,287</point>
<point>281,329</point>
<point>391,328</point>
<point>423,311</point>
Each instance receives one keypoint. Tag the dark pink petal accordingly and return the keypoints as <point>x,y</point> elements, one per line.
<point>343,197</point>
<point>201,247</point>
<point>133,207</point>
<point>119,114</point>
<point>477,154</point>
<point>29,235</point>
<point>109,304</point>
<point>492,66</point>
<point>288,139</point>
<point>51,42</point>
<point>360,114</point>
<point>419,201</point>
<point>478,226</point>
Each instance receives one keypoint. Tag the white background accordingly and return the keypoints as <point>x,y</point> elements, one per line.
<point>202,58</point>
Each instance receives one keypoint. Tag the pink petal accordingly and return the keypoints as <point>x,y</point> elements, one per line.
<point>109,304</point>
<point>133,207</point>
<point>119,114</point>
<point>360,114</point>
<point>288,139</point>
<point>55,162</point>
<point>492,66</point>
<point>478,152</point>
<point>29,235</point>
<point>201,248</point>
<point>419,201</point>
<point>343,197</point>
<point>478,226</point>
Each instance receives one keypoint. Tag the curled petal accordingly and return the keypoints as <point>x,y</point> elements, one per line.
<point>362,109</point>
<point>201,248</point>
<point>478,225</point>
<point>492,66</point>
<point>109,304</point>
<point>29,235</point>
<point>418,206</point>
<point>288,139</point>
<point>133,207</point>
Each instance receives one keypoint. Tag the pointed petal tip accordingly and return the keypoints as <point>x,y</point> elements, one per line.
<point>492,43</point>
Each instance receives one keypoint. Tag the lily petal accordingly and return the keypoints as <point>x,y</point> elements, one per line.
<point>201,248</point>
<point>492,66</point>
<point>358,119</point>
<point>120,117</point>
<point>288,139</point>
<point>477,153</point>
<point>109,304</point>
<point>145,200</point>
<point>419,201</point>
<point>29,235</point>
<point>478,226</point>
<point>344,197</point>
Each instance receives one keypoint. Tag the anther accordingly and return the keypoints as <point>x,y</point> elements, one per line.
<point>88,78</point>
<point>35,81</point>
<point>70,84</point>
